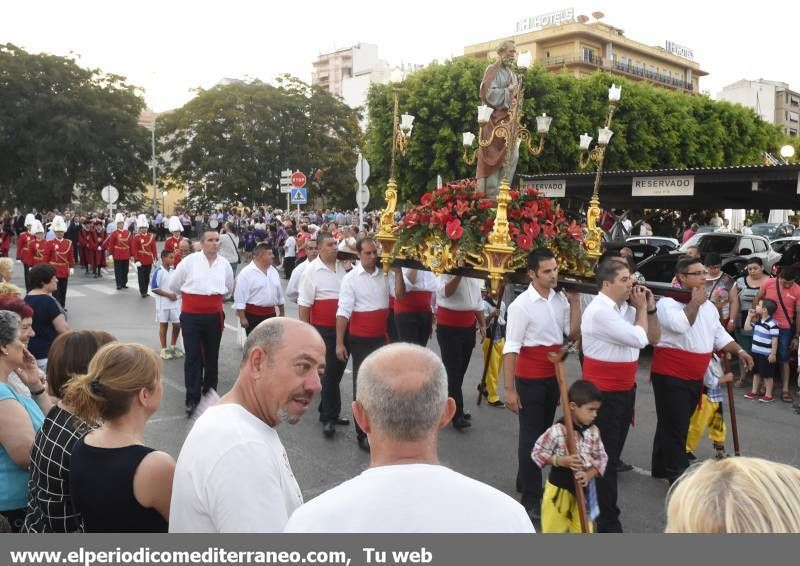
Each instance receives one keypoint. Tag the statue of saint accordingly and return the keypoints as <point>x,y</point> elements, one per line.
<point>499,90</point>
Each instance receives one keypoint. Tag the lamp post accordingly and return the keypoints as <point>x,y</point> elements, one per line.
<point>164,201</point>
<point>787,152</point>
<point>401,132</point>
<point>586,157</point>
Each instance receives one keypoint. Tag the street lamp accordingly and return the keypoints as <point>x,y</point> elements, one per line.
<point>593,240</point>
<point>787,152</point>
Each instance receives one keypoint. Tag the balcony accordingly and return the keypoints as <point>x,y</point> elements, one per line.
<point>617,67</point>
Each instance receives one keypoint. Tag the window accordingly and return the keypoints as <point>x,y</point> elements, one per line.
<point>761,246</point>
<point>587,54</point>
<point>792,132</point>
<point>794,117</point>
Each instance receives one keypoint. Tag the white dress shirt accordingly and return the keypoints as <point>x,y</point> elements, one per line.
<point>194,275</point>
<point>467,296</point>
<point>293,288</point>
<point>608,332</point>
<point>533,320</point>
<point>256,287</point>
<point>705,335</point>
<point>426,281</point>
<point>320,283</point>
<point>363,292</point>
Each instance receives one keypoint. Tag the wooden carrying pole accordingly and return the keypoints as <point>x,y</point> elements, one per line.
<point>726,366</point>
<point>557,359</point>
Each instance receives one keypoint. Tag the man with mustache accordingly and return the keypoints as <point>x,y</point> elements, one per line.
<point>233,474</point>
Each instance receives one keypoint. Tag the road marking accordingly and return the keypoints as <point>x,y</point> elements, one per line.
<point>229,327</point>
<point>641,471</point>
<point>177,387</point>
<point>100,289</point>
<point>73,294</point>
<point>167,419</point>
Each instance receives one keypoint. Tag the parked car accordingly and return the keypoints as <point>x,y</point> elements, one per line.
<point>782,244</point>
<point>640,251</point>
<point>796,233</point>
<point>735,249</point>
<point>773,230</point>
<point>790,256</point>
<point>661,241</point>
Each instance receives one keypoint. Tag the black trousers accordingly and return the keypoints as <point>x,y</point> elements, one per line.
<point>414,327</point>
<point>456,345</point>
<point>676,400</point>
<point>60,293</point>
<point>360,348</point>
<point>254,320</point>
<point>288,266</point>
<point>391,327</point>
<point>25,269</point>
<point>121,272</point>
<point>143,274</point>
<point>613,421</point>
<point>330,403</point>
<point>539,398</point>
<point>202,334</point>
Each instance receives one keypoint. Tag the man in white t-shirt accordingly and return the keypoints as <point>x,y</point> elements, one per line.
<point>401,403</point>
<point>233,475</point>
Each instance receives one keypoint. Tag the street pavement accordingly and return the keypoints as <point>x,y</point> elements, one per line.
<point>486,452</point>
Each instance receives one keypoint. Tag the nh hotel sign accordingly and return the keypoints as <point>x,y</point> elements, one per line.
<point>536,22</point>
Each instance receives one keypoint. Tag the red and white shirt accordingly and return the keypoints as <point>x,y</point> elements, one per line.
<point>458,310</point>
<point>611,344</point>
<point>319,290</point>
<point>258,292</point>
<point>536,326</point>
<point>419,295</point>
<point>685,349</point>
<point>202,285</point>
<point>364,300</point>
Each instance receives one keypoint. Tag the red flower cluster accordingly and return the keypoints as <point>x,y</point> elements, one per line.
<point>447,209</point>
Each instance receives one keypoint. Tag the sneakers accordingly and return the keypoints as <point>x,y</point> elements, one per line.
<point>176,352</point>
<point>767,399</point>
<point>166,354</point>
<point>751,395</point>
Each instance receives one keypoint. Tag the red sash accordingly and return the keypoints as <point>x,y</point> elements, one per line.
<point>391,303</point>
<point>610,376</point>
<point>457,319</point>
<point>689,366</point>
<point>369,324</point>
<point>532,362</point>
<point>201,304</point>
<point>414,301</point>
<point>323,312</point>
<point>258,310</point>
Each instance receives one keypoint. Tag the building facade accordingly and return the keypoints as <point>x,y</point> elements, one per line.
<point>774,101</point>
<point>583,48</point>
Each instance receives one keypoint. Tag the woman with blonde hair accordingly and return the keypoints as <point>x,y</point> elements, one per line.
<point>6,269</point>
<point>736,495</point>
<point>117,483</point>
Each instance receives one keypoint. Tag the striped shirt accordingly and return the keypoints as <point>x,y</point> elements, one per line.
<point>763,333</point>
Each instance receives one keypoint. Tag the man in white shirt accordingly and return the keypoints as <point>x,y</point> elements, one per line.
<point>312,252</point>
<point>459,307</point>
<point>362,313</point>
<point>401,404</point>
<point>202,279</point>
<point>258,295</point>
<point>689,335</point>
<point>290,253</point>
<point>318,301</point>
<point>613,332</point>
<point>536,324</point>
<point>233,474</point>
<point>413,302</point>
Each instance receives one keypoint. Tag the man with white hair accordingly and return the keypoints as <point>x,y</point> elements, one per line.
<point>233,474</point>
<point>402,403</point>
<point>58,253</point>
<point>118,244</point>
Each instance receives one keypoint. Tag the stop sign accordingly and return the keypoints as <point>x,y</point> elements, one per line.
<point>298,179</point>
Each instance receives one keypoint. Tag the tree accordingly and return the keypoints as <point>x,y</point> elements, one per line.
<point>234,139</point>
<point>62,125</point>
<point>653,127</point>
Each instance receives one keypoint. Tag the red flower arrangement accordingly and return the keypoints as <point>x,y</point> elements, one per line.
<point>463,215</point>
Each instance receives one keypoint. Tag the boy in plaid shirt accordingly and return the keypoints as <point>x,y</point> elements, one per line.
<point>559,506</point>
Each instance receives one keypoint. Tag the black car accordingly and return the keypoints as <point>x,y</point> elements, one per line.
<point>791,256</point>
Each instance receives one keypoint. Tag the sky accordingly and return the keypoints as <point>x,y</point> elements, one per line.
<point>170,47</point>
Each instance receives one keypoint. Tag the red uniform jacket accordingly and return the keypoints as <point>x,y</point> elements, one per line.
<point>58,253</point>
<point>84,248</point>
<point>22,248</point>
<point>171,243</point>
<point>36,249</point>
<point>143,248</point>
<point>5,243</point>
<point>119,245</point>
<point>95,251</point>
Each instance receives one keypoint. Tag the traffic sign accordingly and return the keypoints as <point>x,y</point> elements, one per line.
<point>286,181</point>
<point>299,195</point>
<point>362,170</point>
<point>298,179</point>
<point>110,194</point>
<point>362,196</point>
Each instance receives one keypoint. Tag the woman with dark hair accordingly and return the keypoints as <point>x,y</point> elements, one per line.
<point>20,418</point>
<point>50,508</point>
<point>116,482</point>
<point>48,317</point>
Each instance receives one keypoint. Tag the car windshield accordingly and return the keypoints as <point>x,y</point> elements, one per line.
<point>764,229</point>
<point>707,243</point>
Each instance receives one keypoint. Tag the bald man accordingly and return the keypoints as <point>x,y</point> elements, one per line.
<point>401,404</point>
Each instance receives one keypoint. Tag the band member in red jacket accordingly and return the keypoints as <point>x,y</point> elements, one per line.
<point>118,245</point>
<point>59,253</point>
<point>95,252</point>
<point>23,254</point>
<point>37,245</point>
<point>84,249</point>
<point>176,231</point>
<point>143,252</point>
<point>5,241</point>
